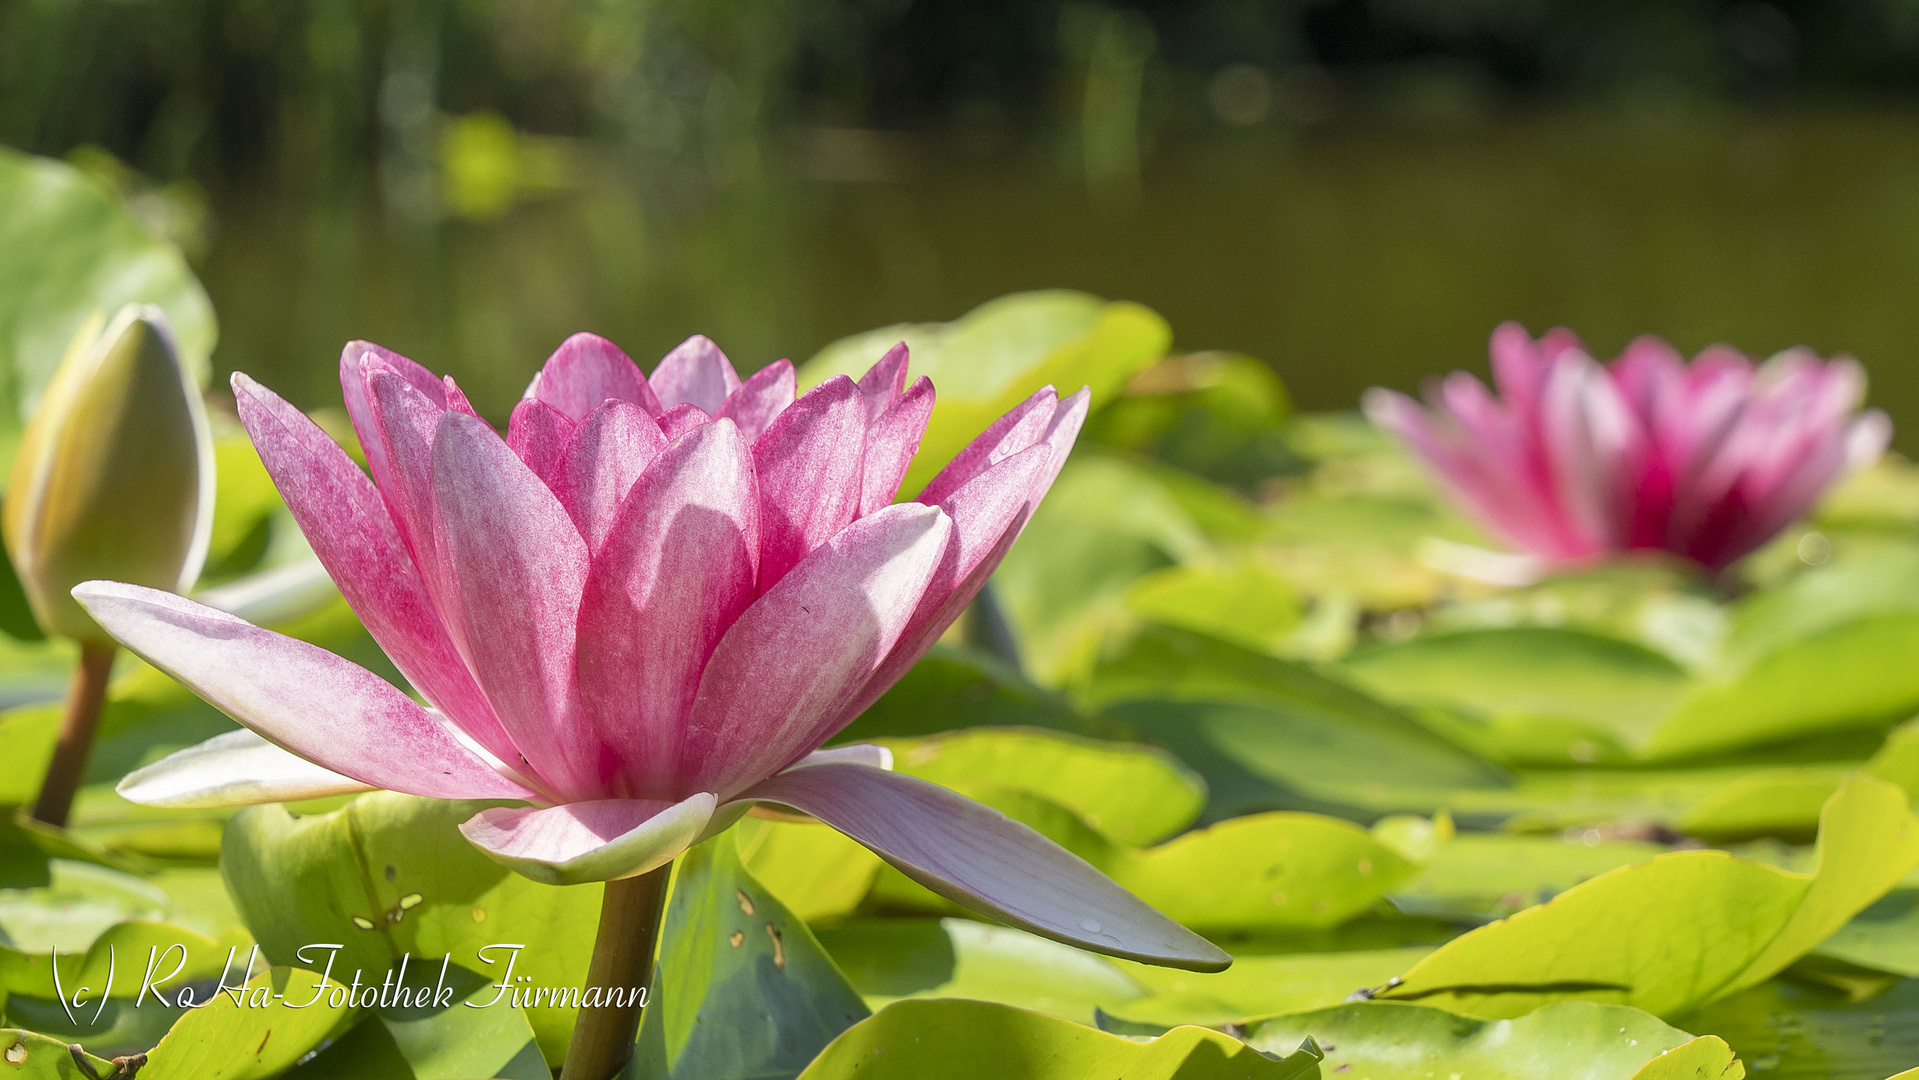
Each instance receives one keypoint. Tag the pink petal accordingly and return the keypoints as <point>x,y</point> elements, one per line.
<point>809,469</point>
<point>359,401</point>
<point>538,434</point>
<point>980,858</point>
<point>349,528</point>
<point>602,840</point>
<point>681,419</point>
<point>606,455</point>
<point>586,371</point>
<point>297,696</point>
<point>884,382</point>
<point>696,372</point>
<point>1020,428</point>
<point>456,397</point>
<point>780,679</point>
<point>988,514</point>
<point>677,570</point>
<point>891,441</point>
<point>761,398</point>
<point>517,565</point>
<point>402,422</point>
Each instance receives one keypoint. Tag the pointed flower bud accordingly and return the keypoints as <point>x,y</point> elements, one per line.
<point>114,476</point>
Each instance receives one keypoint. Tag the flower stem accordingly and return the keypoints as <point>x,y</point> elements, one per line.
<point>84,701</point>
<point>630,919</point>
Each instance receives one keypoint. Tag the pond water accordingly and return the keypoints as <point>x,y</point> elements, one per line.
<point>1375,253</point>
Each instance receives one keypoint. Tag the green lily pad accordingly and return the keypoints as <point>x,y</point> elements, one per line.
<point>938,1040</point>
<point>952,688</point>
<point>1262,872</point>
<point>1796,1031</point>
<point>1478,877</point>
<point>1569,1041</point>
<point>390,875</point>
<point>465,1033</point>
<point>1679,930</point>
<point>817,872</point>
<point>1104,524</point>
<point>993,357</point>
<point>1260,986</point>
<point>31,1056</point>
<point>1530,695</point>
<point>1880,581</point>
<point>1273,870</point>
<point>1241,602</point>
<point>68,248</point>
<point>254,1032</point>
<point>1851,675</point>
<point>742,988</point>
<point>1132,794</point>
<point>891,959</point>
<point>1884,937</point>
<point>1267,733</point>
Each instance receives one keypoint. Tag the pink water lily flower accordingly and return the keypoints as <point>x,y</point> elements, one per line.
<point>638,614</point>
<point>1575,460</point>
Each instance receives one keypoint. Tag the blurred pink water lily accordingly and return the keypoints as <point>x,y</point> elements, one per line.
<point>639,613</point>
<point>1575,460</point>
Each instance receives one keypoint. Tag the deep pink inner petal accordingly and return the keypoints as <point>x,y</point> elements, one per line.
<point>518,566</point>
<point>678,568</point>
<point>809,464</point>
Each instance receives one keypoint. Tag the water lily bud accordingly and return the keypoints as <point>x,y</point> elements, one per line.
<point>114,477</point>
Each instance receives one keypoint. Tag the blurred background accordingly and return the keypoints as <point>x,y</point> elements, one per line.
<point>1354,191</point>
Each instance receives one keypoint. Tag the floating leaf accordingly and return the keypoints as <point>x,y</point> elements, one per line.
<point>817,872</point>
<point>1481,876</point>
<point>988,360</point>
<point>952,688</point>
<point>938,1040</point>
<point>1132,794</point>
<point>1530,695</point>
<point>1389,1041</point>
<point>742,988</point>
<point>254,1032</point>
<point>1241,602</point>
<point>1267,733</point>
<point>1852,675</point>
<point>1260,986</point>
<point>31,1056</point>
<point>1105,523</point>
<point>1884,937</point>
<point>891,959</point>
<point>1679,930</point>
<point>1797,1031</point>
<point>390,875</point>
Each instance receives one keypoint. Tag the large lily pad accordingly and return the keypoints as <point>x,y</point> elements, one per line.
<point>1267,733</point>
<point>390,875</point>
<point>950,1040</point>
<point>891,959</point>
<point>1132,794</point>
<point>1105,524</point>
<point>1798,1031</point>
<point>742,989</point>
<point>1530,695</point>
<point>952,688</point>
<point>1570,1041</point>
<point>1680,930</point>
<point>252,1032</point>
<point>993,357</point>
<point>33,1056</point>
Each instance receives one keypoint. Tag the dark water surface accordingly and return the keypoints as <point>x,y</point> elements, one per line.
<point>1343,258</point>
